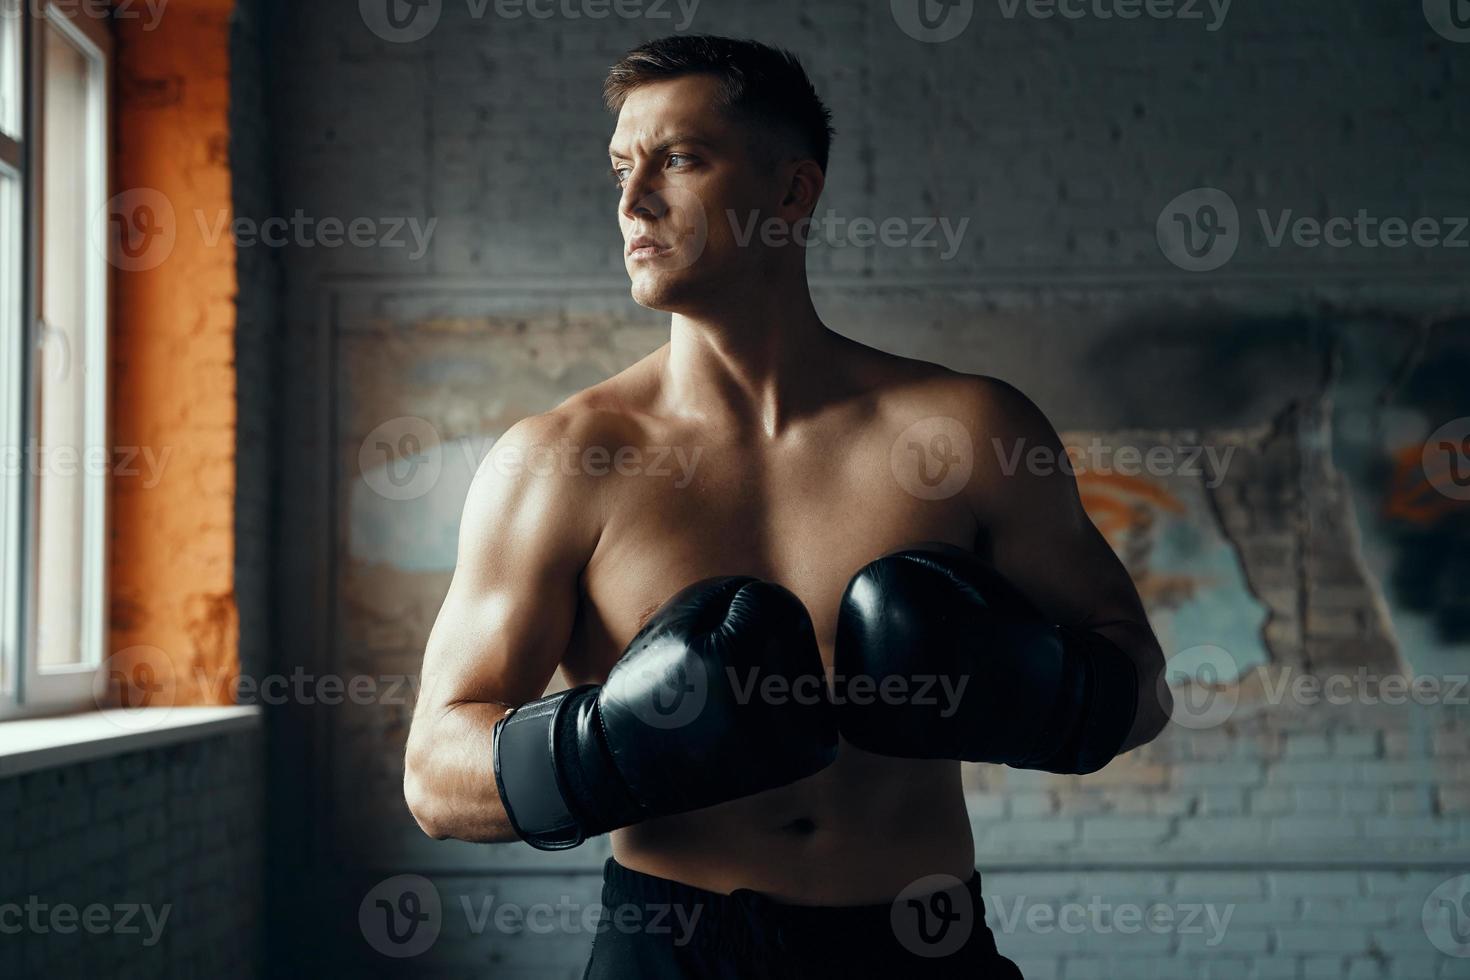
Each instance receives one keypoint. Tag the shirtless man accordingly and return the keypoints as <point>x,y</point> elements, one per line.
<point>811,459</point>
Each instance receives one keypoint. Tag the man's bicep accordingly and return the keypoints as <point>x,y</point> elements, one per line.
<point>1061,561</point>
<point>508,615</point>
<point>1034,528</point>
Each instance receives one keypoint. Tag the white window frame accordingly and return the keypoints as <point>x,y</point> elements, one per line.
<point>71,687</point>
<point>13,316</point>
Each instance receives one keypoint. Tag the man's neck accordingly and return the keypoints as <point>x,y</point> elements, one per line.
<point>755,370</point>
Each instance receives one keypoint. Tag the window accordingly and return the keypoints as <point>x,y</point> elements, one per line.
<point>54,66</point>
<point>10,87</point>
<point>12,320</point>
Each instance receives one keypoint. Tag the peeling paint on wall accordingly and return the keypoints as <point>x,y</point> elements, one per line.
<point>1398,384</point>
<point>1163,527</point>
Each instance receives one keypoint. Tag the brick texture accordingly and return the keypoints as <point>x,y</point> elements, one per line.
<point>146,864</point>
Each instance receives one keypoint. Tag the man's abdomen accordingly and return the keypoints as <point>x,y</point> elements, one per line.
<point>856,833</point>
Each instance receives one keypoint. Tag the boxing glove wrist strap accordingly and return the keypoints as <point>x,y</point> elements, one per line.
<point>555,778</point>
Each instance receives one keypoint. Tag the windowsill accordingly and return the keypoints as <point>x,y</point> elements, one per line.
<point>27,744</point>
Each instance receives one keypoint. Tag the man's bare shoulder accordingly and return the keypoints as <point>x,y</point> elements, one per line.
<point>546,478</point>
<point>612,413</point>
<point>909,388</point>
<point>563,458</point>
<point>618,410</point>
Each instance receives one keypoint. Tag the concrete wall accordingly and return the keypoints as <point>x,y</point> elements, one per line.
<point>1063,145</point>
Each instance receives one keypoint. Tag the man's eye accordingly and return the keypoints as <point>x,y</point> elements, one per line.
<point>619,175</point>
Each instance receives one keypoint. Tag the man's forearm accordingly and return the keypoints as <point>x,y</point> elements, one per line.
<point>449,777</point>
<point>1154,701</point>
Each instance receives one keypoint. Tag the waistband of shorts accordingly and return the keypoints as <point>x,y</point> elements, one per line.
<point>623,885</point>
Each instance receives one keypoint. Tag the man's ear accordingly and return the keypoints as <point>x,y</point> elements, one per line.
<point>804,184</point>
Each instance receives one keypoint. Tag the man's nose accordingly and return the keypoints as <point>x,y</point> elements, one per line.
<point>641,198</point>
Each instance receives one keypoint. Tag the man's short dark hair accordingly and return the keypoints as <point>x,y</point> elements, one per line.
<point>759,84</point>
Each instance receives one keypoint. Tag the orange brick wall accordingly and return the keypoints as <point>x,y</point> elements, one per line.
<point>172,584</point>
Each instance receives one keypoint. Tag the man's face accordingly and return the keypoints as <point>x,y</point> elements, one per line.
<point>683,169</point>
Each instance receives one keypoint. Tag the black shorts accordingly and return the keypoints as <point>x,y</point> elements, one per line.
<point>656,929</point>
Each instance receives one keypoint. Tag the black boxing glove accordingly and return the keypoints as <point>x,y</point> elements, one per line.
<point>939,657</point>
<point>688,717</point>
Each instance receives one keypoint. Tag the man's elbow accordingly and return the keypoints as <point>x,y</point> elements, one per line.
<point>421,801</point>
<point>1155,707</point>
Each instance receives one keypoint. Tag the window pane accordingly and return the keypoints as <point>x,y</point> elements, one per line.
<point>10,28</point>
<point>10,394</point>
<point>69,310</point>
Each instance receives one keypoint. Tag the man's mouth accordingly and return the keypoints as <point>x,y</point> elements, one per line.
<point>646,247</point>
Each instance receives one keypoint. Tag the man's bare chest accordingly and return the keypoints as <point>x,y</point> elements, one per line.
<point>806,519</point>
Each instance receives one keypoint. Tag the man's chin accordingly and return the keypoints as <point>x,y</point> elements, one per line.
<point>660,293</point>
